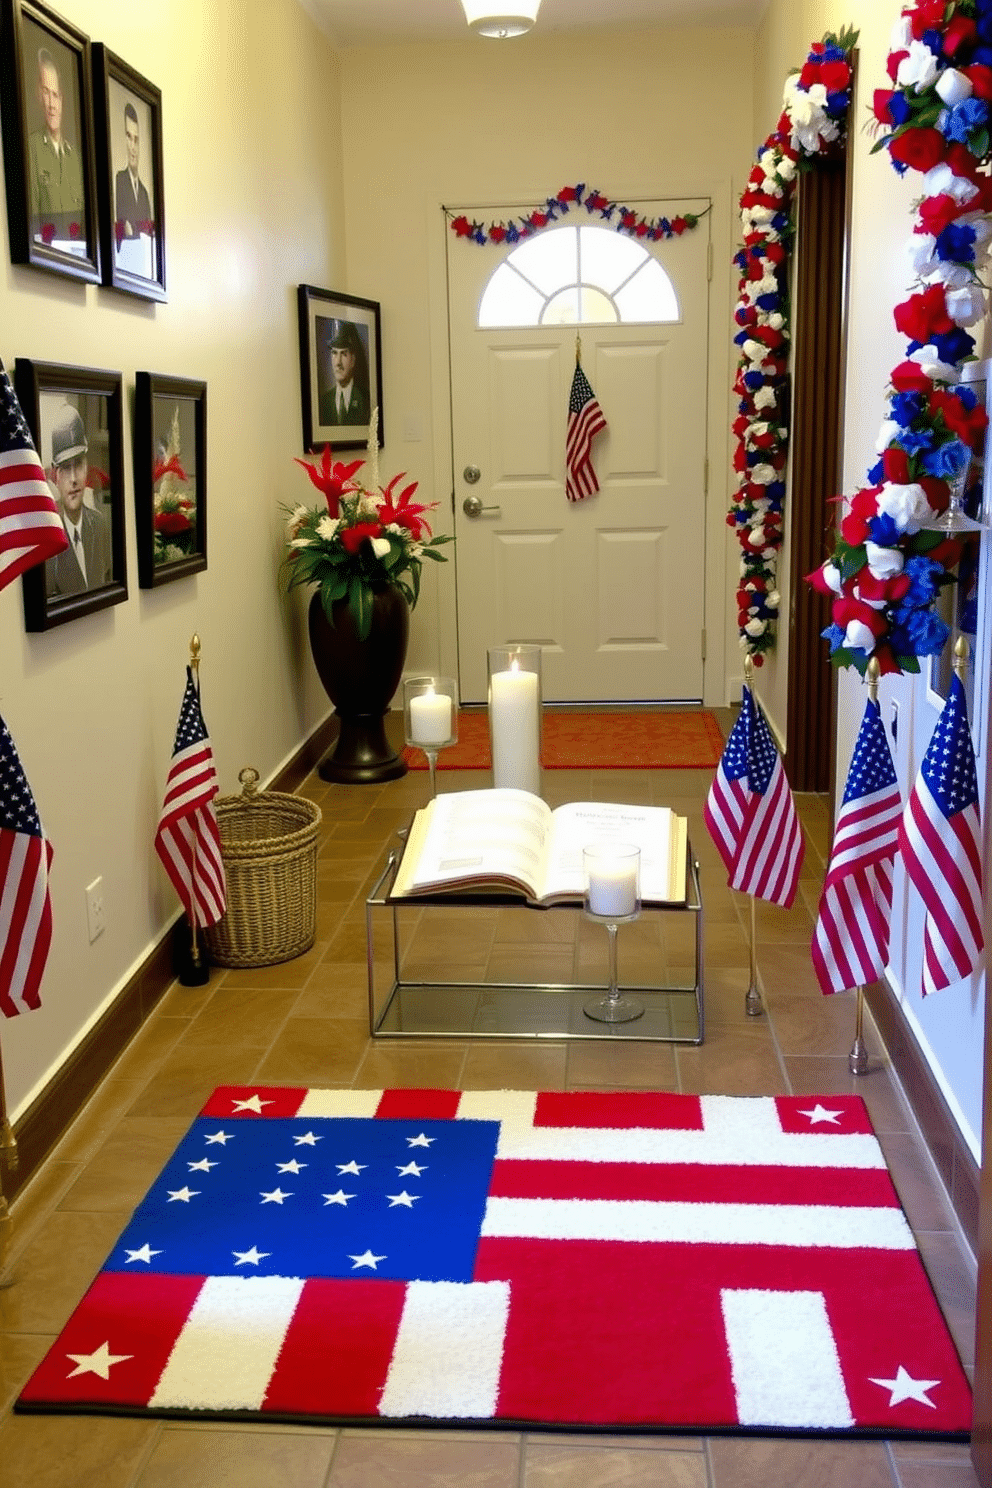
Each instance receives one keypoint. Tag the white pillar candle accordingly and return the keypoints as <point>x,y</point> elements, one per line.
<point>515,721</point>
<point>430,718</point>
<point>613,885</point>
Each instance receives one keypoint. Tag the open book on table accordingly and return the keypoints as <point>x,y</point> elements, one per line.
<point>499,840</point>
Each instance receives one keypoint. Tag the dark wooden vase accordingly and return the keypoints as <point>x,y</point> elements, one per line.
<point>360,678</point>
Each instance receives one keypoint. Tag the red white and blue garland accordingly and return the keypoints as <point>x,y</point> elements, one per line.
<point>622,219</point>
<point>887,569</point>
<point>816,101</point>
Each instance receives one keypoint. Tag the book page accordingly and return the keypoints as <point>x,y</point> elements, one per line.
<point>656,830</point>
<point>471,837</point>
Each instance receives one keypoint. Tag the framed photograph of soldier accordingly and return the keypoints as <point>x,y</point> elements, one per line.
<point>170,477</point>
<point>340,368</point>
<point>47,117</point>
<point>130,194</point>
<point>75,415</point>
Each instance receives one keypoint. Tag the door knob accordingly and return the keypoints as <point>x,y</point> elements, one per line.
<point>472,507</point>
<point>472,474</point>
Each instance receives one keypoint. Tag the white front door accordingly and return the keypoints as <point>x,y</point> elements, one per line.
<point>610,587</point>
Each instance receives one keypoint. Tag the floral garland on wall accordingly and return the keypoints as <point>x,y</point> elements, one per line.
<point>887,568</point>
<point>622,218</point>
<point>816,101</point>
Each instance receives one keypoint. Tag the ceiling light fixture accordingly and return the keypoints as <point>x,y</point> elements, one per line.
<point>518,17</point>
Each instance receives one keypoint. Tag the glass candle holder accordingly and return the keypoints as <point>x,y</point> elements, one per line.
<point>515,716</point>
<point>430,717</point>
<point>612,897</point>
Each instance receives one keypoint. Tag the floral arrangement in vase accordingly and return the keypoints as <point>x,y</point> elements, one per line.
<point>364,537</point>
<point>901,538</point>
<point>173,505</point>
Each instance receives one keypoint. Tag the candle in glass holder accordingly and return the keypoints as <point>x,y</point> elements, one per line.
<point>613,886</point>
<point>430,719</point>
<point>515,721</point>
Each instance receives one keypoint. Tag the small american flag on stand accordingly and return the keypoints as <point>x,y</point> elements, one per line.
<point>585,421</point>
<point>851,939</point>
<point>750,813</point>
<point>940,838</point>
<point>31,529</point>
<point>25,904</point>
<point>188,839</point>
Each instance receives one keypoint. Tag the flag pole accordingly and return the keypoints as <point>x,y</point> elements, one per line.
<point>8,1158</point>
<point>194,971</point>
<point>578,349</point>
<point>857,1060</point>
<point>753,1005</point>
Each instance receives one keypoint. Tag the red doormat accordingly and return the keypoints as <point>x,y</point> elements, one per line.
<point>594,741</point>
<point>643,1262</point>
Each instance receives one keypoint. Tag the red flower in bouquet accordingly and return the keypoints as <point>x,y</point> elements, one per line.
<point>332,477</point>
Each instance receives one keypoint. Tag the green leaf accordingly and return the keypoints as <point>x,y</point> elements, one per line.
<point>360,605</point>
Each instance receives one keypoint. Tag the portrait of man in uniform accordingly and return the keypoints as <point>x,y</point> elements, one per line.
<point>134,184</point>
<point>56,176</point>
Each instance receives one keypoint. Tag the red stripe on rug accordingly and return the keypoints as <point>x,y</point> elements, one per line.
<point>691,1183</point>
<point>667,740</point>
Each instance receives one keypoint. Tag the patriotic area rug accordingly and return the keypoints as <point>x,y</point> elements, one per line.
<point>583,1260</point>
<point>670,740</point>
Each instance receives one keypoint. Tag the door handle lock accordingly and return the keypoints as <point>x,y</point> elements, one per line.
<point>472,507</point>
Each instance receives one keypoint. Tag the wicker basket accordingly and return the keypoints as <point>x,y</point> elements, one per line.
<point>269,845</point>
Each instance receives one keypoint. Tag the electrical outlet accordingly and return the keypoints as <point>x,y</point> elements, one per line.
<point>95,919</point>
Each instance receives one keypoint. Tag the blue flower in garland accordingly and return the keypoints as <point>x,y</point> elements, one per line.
<point>884,531</point>
<point>953,346</point>
<point>964,119</point>
<point>906,407</point>
<point>899,110</point>
<point>876,473</point>
<point>926,631</point>
<point>966,396</point>
<point>913,441</point>
<point>922,573</point>
<point>948,460</point>
<point>956,244</point>
<point>835,636</point>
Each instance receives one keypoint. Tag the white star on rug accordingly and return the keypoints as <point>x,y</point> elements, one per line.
<point>905,1387</point>
<point>338,1198</point>
<point>249,1257</point>
<point>421,1141</point>
<point>406,1200</point>
<point>274,1196</point>
<point>291,1167</point>
<point>253,1103</point>
<point>412,1169</point>
<point>366,1259</point>
<point>144,1254</point>
<point>820,1113</point>
<point>182,1195</point>
<point>351,1167</point>
<point>222,1137</point>
<point>98,1362</point>
<point>307,1140</point>
<point>203,1166</point>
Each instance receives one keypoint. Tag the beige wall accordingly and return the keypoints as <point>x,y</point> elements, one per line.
<point>477,123</point>
<point>253,200</point>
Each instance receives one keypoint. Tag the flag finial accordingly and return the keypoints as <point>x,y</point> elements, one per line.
<point>194,653</point>
<point>961,654</point>
<point>872,674</point>
<point>748,669</point>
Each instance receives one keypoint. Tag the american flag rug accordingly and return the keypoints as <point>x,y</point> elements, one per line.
<point>584,1260</point>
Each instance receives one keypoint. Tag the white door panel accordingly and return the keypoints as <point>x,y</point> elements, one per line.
<point>611,587</point>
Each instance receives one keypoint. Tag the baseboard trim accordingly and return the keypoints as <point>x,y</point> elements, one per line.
<point>42,1125</point>
<point>955,1163</point>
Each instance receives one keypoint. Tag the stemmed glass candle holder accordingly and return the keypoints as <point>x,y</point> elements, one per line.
<point>430,715</point>
<point>515,716</point>
<point>613,897</point>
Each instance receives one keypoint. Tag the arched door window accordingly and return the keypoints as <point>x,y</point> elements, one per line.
<point>578,276</point>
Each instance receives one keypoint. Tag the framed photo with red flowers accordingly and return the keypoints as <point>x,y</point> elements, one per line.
<point>170,477</point>
<point>340,369</point>
<point>129,177</point>
<point>75,415</point>
<point>48,151</point>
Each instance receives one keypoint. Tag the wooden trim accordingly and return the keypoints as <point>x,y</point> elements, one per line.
<point>955,1164</point>
<point>818,416</point>
<point>45,1121</point>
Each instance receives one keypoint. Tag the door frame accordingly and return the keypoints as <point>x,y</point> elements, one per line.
<point>721,664</point>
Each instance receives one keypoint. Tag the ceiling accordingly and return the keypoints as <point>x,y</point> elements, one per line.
<point>351,23</point>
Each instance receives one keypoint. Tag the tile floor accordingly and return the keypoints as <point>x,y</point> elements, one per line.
<point>306,1022</point>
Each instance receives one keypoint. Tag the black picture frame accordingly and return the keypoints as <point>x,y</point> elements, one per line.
<point>128,114</point>
<point>170,477</point>
<point>51,198</point>
<point>324,316</point>
<point>56,592</point>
